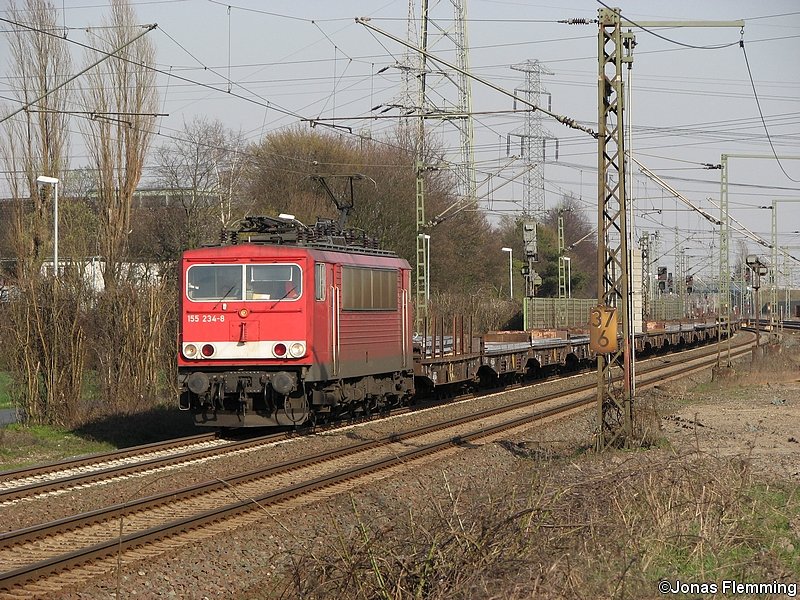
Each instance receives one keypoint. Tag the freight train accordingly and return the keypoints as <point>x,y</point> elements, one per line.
<point>283,324</point>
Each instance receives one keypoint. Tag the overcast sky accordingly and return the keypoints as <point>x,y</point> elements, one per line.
<point>691,104</point>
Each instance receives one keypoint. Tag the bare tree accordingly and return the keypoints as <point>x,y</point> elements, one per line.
<point>121,95</point>
<point>202,170</point>
<point>129,315</point>
<point>37,138</point>
<point>45,349</point>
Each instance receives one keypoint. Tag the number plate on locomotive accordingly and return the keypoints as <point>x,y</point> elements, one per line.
<point>205,318</point>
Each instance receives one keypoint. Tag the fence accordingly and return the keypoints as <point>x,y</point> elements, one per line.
<point>559,312</point>
<point>574,312</point>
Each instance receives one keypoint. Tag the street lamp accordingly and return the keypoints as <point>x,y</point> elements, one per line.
<point>510,271</point>
<point>568,260</point>
<point>45,180</point>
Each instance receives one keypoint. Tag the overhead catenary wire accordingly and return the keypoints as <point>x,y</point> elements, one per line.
<point>106,56</point>
<point>564,120</point>
<point>675,193</point>
<point>190,84</point>
<point>761,114</point>
<point>266,107</point>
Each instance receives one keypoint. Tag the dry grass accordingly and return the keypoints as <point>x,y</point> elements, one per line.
<point>589,526</point>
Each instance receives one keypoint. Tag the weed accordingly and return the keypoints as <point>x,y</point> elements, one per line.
<point>590,527</point>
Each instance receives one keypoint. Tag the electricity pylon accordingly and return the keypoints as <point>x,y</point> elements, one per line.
<point>443,94</point>
<point>533,141</point>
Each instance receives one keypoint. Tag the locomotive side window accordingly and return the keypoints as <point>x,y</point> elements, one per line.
<point>369,289</point>
<point>273,282</point>
<point>319,281</point>
<point>209,283</point>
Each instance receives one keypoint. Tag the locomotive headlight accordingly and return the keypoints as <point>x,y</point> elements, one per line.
<point>243,312</point>
<point>297,349</point>
<point>190,350</point>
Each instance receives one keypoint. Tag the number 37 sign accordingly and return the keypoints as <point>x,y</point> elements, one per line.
<point>603,330</point>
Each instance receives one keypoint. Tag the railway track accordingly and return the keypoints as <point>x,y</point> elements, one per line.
<point>64,476</point>
<point>43,552</point>
<point>69,474</point>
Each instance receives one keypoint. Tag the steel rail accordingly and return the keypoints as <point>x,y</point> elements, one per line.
<point>71,481</point>
<point>83,461</point>
<point>102,474</point>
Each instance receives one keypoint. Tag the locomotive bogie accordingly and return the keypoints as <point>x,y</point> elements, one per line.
<point>260,398</point>
<point>252,395</point>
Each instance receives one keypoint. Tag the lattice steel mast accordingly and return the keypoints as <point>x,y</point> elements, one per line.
<point>724,249</point>
<point>422,293</point>
<point>614,401</point>
<point>562,271</point>
<point>455,107</point>
<point>462,112</point>
<point>615,415</point>
<point>533,140</point>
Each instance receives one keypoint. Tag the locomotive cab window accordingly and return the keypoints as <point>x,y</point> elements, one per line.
<point>273,282</point>
<point>211,283</point>
<point>215,283</point>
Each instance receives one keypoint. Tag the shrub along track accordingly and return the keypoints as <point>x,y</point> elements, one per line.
<point>48,557</point>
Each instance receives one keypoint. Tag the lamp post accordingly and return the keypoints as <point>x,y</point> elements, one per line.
<point>45,180</point>
<point>510,271</point>
<point>568,260</point>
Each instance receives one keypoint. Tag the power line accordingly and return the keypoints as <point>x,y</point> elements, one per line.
<point>106,55</point>
<point>761,114</point>
<point>264,103</point>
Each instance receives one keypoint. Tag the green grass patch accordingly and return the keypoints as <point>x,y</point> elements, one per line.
<point>22,445</point>
<point>5,390</point>
<point>755,542</point>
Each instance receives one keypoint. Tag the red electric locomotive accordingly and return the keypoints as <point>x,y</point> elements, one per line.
<point>283,322</point>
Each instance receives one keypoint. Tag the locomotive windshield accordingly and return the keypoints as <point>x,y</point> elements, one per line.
<point>257,282</point>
